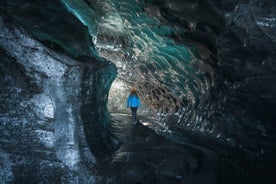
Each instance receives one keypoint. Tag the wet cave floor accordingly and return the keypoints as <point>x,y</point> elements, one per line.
<point>144,157</point>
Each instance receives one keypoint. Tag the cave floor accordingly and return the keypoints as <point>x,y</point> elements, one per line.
<point>147,158</point>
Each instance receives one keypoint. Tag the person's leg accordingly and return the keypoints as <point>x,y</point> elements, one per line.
<point>134,114</point>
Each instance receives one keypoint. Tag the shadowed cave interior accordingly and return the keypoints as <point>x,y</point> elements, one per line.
<point>204,70</point>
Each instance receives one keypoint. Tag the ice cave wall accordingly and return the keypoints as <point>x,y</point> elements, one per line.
<point>53,110</point>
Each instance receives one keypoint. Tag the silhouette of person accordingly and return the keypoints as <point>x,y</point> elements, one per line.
<point>133,102</point>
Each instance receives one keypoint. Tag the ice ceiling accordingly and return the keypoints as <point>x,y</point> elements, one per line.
<point>139,38</point>
<point>201,62</point>
<point>150,44</point>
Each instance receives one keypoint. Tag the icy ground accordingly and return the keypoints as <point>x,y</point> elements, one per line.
<point>145,157</point>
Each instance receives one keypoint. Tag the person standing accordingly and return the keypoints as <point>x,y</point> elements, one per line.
<point>133,102</point>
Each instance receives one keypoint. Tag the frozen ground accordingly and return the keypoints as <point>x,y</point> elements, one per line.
<point>145,157</point>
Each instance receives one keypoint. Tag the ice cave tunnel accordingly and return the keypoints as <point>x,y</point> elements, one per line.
<point>204,70</point>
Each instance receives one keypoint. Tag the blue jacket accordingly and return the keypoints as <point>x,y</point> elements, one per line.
<point>133,101</point>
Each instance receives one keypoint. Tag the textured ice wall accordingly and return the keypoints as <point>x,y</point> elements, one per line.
<point>44,99</point>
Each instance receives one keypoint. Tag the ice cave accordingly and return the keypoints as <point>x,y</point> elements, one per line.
<point>205,71</point>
